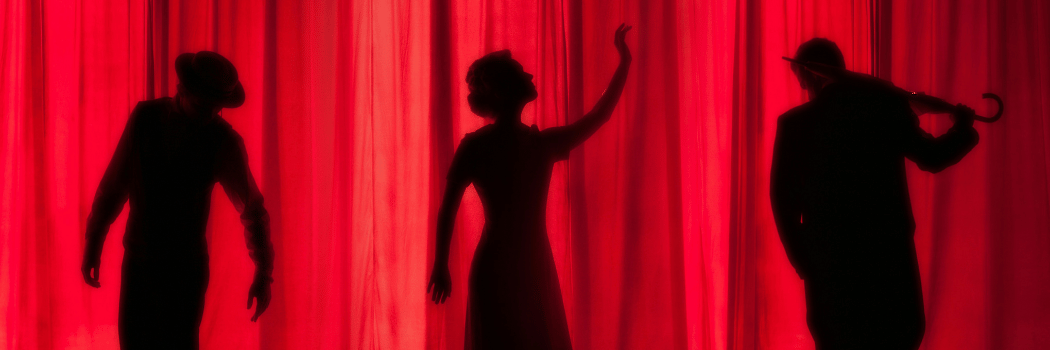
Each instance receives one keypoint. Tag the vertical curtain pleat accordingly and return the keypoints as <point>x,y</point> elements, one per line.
<point>982,224</point>
<point>659,224</point>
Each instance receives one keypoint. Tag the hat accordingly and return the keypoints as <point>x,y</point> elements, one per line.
<point>209,75</point>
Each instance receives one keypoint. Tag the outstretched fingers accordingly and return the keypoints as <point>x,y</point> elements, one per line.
<point>621,32</point>
<point>443,295</point>
<point>439,294</point>
<point>620,41</point>
<point>430,289</point>
<point>440,285</point>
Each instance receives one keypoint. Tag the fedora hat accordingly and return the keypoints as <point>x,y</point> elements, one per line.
<point>208,75</point>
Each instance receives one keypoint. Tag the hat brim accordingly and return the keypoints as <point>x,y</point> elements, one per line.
<point>188,78</point>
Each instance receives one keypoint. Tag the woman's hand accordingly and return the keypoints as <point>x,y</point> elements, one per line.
<point>621,44</point>
<point>440,283</point>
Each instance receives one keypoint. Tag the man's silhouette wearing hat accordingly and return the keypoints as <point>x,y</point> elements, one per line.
<point>839,194</point>
<point>171,154</point>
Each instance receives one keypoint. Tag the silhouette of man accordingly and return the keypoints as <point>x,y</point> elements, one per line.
<point>169,157</point>
<point>840,201</point>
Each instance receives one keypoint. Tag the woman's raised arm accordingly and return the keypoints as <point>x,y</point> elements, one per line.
<point>565,138</point>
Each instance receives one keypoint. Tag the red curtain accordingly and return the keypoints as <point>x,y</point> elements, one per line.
<point>982,224</point>
<point>766,306</point>
<point>660,224</point>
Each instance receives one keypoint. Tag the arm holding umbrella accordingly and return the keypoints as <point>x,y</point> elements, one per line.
<point>925,103</point>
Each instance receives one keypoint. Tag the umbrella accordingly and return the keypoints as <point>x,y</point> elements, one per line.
<point>924,102</point>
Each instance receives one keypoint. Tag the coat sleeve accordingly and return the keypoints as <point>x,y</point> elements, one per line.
<point>785,186</point>
<point>112,191</point>
<point>236,179</point>
<point>934,154</point>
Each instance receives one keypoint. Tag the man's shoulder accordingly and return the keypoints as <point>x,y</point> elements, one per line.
<point>148,112</point>
<point>797,114</point>
<point>226,131</point>
<point>154,105</point>
<point>864,97</point>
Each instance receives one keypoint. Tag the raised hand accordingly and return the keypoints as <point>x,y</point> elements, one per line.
<point>260,291</point>
<point>440,283</point>
<point>565,138</point>
<point>620,42</point>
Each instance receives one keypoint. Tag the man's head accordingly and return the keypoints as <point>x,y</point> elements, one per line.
<point>818,50</point>
<point>208,80</point>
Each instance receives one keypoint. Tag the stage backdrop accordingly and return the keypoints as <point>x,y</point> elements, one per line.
<point>660,224</point>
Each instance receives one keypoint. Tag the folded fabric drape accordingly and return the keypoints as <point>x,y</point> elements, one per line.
<point>660,224</point>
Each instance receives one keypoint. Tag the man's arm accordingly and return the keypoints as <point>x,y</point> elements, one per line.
<point>934,154</point>
<point>236,179</point>
<point>785,184</point>
<point>109,201</point>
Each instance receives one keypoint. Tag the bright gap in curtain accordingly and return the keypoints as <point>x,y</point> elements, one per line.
<point>659,224</point>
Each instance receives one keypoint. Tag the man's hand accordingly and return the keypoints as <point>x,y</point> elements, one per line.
<point>621,43</point>
<point>90,263</point>
<point>440,283</point>
<point>260,291</point>
<point>963,115</point>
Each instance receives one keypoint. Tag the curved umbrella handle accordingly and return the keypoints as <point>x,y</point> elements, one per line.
<point>998,114</point>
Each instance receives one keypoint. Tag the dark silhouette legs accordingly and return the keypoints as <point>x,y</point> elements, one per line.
<point>867,303</point>
<point>161,301</point>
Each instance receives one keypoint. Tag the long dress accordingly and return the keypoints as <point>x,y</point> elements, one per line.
<point>514,296</point>
<point>166,167</point>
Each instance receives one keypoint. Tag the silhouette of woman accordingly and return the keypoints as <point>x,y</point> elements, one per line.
<point>514,297</point>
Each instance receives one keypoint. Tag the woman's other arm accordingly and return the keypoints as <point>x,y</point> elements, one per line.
<point>440,284</point>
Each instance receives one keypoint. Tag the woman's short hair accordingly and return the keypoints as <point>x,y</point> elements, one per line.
<point>489,76</point>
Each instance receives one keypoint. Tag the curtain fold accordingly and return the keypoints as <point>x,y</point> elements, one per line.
<point>659,224</point>
<point>981,224</point>
<point>766,303</point>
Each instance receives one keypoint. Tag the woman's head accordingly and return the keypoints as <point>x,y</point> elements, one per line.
<point>498,83</point>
